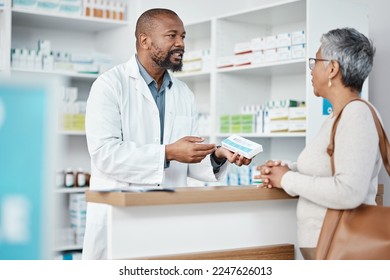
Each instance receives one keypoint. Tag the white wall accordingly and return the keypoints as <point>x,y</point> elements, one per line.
<point>379,28</point>
<point>379,91</point>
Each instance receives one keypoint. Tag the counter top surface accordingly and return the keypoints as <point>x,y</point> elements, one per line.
<point>187,195</point>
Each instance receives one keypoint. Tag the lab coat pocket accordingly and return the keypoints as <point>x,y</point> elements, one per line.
<point>182,126</point>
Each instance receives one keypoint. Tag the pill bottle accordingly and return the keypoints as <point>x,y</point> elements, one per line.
<point>80,178</point>
<point>69,178</point>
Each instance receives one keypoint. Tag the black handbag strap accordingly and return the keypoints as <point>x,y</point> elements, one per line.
<point>384,145</point>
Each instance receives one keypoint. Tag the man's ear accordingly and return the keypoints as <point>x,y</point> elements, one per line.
<point>334,68</point>
<point>143,40</point>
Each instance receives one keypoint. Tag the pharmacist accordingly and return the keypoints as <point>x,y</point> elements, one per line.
<point>138,123</point>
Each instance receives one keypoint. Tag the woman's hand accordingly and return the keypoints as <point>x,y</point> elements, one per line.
<point>272,172</point>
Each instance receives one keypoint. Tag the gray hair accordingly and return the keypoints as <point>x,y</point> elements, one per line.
<point>353,51</point>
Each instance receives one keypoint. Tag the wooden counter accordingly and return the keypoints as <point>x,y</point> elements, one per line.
<point>188,195</point>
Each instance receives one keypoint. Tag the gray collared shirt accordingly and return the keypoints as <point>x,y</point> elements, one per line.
<point>158,94</point>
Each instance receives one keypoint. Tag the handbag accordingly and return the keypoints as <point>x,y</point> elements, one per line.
<point>363,232</point>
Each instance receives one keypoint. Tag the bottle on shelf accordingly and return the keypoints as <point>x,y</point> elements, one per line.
<point>69,178</point>
<point>81,178</point>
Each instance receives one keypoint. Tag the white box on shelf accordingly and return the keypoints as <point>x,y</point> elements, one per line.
<point>278,114</point>
<point>297,113</point>
<point>278,126</point>
<point>298,37</point>
<point>298,51</point>
<point>270,55</point>
<point>283,53</point>
<point>225,61</point>
<point>297,126</point>
<point>243,59</point>
<point>270,42</point>
<point>283,40</point>
<point>242,146</point>
<point>258,57</point>
<point>193,55</point>
<point>258,44</point>
<point>242,48</point>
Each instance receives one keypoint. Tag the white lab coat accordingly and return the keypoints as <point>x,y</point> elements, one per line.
<point>123,135</point>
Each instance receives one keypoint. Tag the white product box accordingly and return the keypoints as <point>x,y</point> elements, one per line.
<point>270,42</point>
<point>283,53</point>
<point>283,40</point>
<point>298,51</point>
<point>278,126</point>
<point>243,59</point>
<point>242,48</point>
<point>225,61</point>
<point>270,55</point>
<point>258,57</point>
<point>192,55</point>
<point>191,66</point>
<point>297,113</point>
<point>259,117</point>
<point>242,146</point>
<point>258,44</point>
<point>298,37</point>
<point>278,114</point>
<point>297,126</point>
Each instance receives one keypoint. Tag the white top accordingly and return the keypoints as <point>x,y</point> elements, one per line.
<point>357,164</point>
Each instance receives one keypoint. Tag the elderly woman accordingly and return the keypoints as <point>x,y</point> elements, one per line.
<point>338,71</point>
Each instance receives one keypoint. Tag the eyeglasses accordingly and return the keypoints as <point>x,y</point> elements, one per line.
<point>312,62</point>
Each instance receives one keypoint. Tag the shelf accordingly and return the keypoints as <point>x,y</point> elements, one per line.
<point>57,72</point>
<point>268,135</point>
<point>72,132</point>
<point>274,68</point>
<point>58,21</point>
<point>72,190</point>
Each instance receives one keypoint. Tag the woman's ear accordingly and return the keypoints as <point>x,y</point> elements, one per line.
<point>334,68</point>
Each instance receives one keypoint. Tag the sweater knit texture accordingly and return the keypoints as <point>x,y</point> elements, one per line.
<point>357,164</point>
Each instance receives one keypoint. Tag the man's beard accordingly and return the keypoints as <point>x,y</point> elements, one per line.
<point>166,63</point>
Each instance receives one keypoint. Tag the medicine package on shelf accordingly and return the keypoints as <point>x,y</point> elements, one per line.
<point>242,146</point>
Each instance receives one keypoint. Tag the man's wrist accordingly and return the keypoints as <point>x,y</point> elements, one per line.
<point>219,158</point>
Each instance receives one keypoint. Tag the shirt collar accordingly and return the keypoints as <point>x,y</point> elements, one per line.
<point>167,81</point>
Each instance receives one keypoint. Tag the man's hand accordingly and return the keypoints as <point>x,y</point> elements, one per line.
<point>188,149</point>
<point>223,153</point>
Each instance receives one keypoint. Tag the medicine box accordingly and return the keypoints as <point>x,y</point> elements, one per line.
<point>298,37</point>
<point>242,146</point>
<point>242,48</point>
<point>297,126</point>
<point>297,113</point>
<point>258,44</point>
<point>243,59</point>
<point>225,61</point>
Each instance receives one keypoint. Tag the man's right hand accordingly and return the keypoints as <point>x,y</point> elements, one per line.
<point>188,149</point>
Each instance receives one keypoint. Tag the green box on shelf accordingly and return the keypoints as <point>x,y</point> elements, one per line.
<point>236,119</point>
<point>236,128</point>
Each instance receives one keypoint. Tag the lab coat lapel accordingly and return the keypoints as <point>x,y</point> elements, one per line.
<point>169,113</point>
<point>140,86</point>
